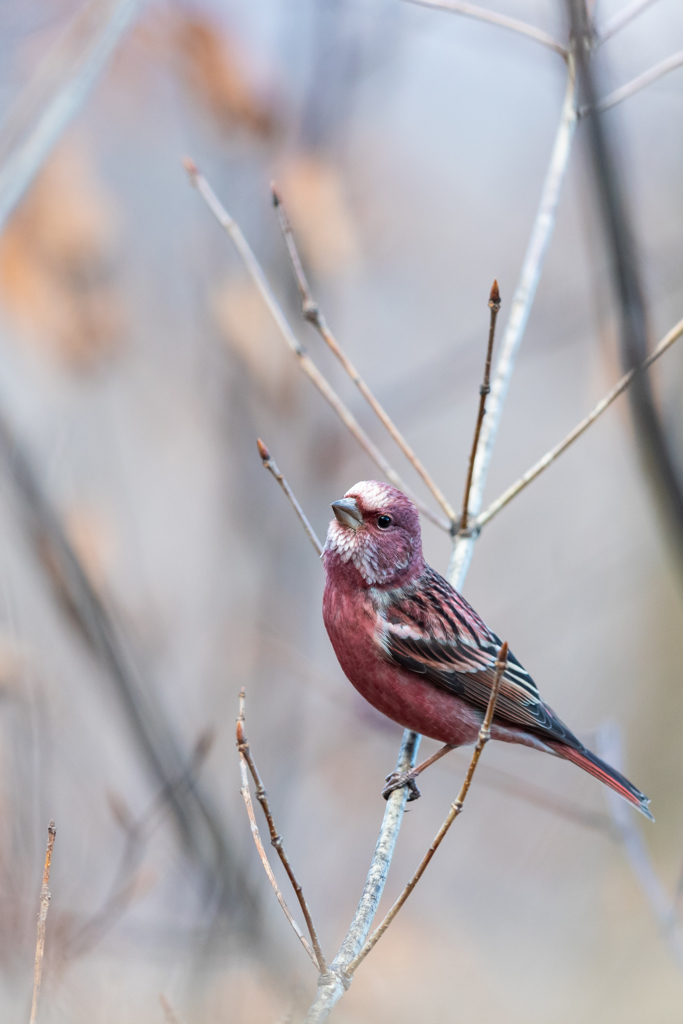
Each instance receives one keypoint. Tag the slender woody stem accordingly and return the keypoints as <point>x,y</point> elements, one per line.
<point>456,809</point>
<point>654,73</point>
<point>313,314</point>
<point>246,760</point>
<point>42,919</point>
<point>256,273</point>
<point>622,18</point>
<point>270,464</point>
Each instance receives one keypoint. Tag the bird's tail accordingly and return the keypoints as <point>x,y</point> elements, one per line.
<point>602,771</point>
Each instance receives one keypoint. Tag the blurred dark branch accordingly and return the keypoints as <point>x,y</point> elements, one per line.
<point>494,18</point>
<point>203,833</point>
<point>270,464</point>
<point>639,82</point>
<point>42,919</point>
<point>169,1013</point>
<point>314,316</point>
<point>494,508</point>
<point>622,18</point>
<point>247,761</point>
<point>61,87</point>
<point>305,362</point>
<point>628,291</point>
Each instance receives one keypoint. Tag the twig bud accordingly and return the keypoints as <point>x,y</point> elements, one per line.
<point>494,297</point>
<point>262,450</point>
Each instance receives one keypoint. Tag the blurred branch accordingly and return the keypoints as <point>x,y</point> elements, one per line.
<point>494,18</point>
<point>270,464</point>
<point>313,314</point>
<point>525,292</point>
<point>604,403</point>
<point>305,362</point>
<point>246,761</point>
<point>169,1013</point>
<point>65,81</point>
<point>624,92</point>
<point>42,919</point>
<point>622,18</point>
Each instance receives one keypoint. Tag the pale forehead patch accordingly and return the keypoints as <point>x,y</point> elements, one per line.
<point>372,493</point>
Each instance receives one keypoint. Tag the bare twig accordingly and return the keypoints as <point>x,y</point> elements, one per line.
<point>494,508</point>
<point>525,292</point>
<point>622,18</point>
<point>276,841</point>
<point>77,76</point>
<point>624,92</point>
<point>256,273</point>
<point>270,464</point>
<point>313,314</point>
<point>42,918</point>
<point>169,1013</point>
<point>494,18</point>
<point>494,306</point>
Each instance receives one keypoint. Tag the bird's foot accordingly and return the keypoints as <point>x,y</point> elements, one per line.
<point>397,780</point>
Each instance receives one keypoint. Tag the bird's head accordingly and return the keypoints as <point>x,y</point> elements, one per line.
<point>375,530</point>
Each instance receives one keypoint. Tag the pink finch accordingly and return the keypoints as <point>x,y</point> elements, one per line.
<point>417,651</point>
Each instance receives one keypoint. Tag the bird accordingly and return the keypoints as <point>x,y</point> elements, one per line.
<point>416,649</point>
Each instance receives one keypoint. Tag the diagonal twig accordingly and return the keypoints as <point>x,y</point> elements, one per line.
<point>256,273</point>
<point>494,508</point>
<point>622,18</point>
<point>624,92</point>
<point>42,919</point>
<point>494,18</point>
<point>270,464</point>
<point>456,809</point>
<point>247,761</point>
<point>169,1013</point>
<point>313,314</point>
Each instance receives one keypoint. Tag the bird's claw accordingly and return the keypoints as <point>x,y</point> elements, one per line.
<point>397,780</point>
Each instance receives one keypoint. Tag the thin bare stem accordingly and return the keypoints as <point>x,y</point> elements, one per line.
<point>494,18</point>
<point>456,809</point>
<point>169,1013</point>
<point>313,314</point>
<point>270,464</point>
<point>247,761</point>
<point>494,306</point>
<point>522,302</point>
<point>624,92</point>
<point>256,273</point>
<point>42,919</point>
<point>494,508</point>
<point>622,18</point>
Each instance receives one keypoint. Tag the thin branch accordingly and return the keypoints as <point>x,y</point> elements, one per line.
<point>493,18</point>
<point>624,92</point>
<point>494,306</point>
<point>169,1013</point>
<point>257,275</point>
<point>78,77</point>
<point>622,18</point>
<point>525,292</point>
<point>494,508</point>
<point>276,841</point>
<point>42,919</point>
<point>270,464</point>
<point>314,316</point>
<point>456,809</point>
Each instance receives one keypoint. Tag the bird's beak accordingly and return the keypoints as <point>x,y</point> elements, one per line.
<point>347,513</point>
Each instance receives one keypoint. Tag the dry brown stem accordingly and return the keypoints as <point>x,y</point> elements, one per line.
<point>247,761</point>
<point>456,809</point>
<point>494,306</point>
<point>307,365</point>
<point>270,464</point>
<point>313,314</point>
<point>42,919</point>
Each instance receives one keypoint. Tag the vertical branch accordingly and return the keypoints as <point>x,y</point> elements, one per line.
<point>519,314</point>
<point>42,919</point>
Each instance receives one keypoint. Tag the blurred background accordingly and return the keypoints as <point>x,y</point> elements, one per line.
<point>150,568</point>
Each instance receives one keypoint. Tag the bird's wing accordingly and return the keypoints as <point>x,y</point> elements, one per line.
<point>431,630</point>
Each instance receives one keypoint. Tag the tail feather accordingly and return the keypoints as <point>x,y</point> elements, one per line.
<point>602,771</point>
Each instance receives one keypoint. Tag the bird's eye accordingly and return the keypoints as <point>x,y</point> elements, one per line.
<point>384,522</point>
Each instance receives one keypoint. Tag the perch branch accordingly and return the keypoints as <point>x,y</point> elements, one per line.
<point>456,809</point>
<point>270,464</point>
<point>247,761</point>
<point>42,919</point>
<point>624,92</point>
<point>494,306</point>
<point>494,18</point>
<point>314,316</point>
<point>257,275</point>
<point>543,463</point>
<point>525,292</point>
<point>622,18</point>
